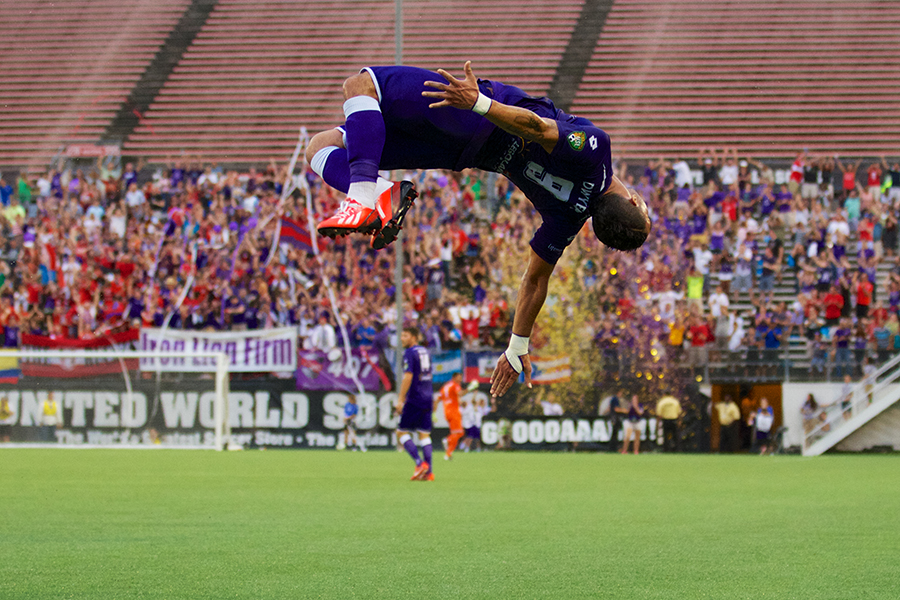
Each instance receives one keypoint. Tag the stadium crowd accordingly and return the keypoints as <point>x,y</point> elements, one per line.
<point>90,250</point>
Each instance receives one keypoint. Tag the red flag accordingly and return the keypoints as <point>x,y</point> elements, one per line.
<point>295,234</point>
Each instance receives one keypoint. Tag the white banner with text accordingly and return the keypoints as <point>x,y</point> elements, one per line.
<point>259,351</point>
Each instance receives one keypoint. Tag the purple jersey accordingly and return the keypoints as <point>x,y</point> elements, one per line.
<point>417,362</point>
<point>560,184</point>
<point>416,414</point>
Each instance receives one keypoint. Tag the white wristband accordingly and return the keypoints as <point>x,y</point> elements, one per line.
<point>482,106</point>
<point>518,347</point>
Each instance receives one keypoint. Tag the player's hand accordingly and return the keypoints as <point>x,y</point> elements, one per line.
<point>504,375</point>
<point>458,93</point>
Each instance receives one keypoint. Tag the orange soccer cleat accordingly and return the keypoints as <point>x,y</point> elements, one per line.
<point>402,195</point>
<point>352,217</point>
<point>420,472</point>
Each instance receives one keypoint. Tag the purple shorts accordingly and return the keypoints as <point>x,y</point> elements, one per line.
<point>415,417</point>
<point>418,137</point>
<point>473,432</point>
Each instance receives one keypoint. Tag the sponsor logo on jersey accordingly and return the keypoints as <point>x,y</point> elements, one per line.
<point>576,140</point>
<point>584,195</point>
<point>514,147</point>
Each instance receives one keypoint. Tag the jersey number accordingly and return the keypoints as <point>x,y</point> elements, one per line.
<point>424,361</point>
<point>560,188</point>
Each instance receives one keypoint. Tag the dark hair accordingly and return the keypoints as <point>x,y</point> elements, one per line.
<point>413,331</point>
<point>620,222</point>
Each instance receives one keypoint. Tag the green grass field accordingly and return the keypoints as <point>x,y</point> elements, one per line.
<point>319,524</point>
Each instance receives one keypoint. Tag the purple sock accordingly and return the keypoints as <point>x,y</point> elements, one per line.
<point>365,137</point>
<point>332,165</point>
<point>426,452</point>
<point>413,450</point>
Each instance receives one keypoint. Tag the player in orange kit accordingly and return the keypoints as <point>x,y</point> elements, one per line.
<point>450,397</point>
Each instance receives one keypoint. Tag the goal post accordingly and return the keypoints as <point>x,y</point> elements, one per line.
<point>169,398</point>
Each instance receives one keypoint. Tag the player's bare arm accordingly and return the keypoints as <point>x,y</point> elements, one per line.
<point>463,93</point>
<point>532,293</point>
<point>405,384</point>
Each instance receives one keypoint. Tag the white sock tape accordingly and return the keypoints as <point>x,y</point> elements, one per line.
<point>482,104</point>
<point>518,347</point>
<point>426,441</point>
<point>359,104</point>
<point>405,437</point>
<point>321,157</point>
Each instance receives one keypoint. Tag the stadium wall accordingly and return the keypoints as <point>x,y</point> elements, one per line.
<point>263,414</point>
<point>881,432</point>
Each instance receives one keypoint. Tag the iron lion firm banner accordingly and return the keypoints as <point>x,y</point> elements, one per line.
<point>259,351</point>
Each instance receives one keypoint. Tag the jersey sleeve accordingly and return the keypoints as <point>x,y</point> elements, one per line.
<point>553,237</point>
<point>585,147</point>
<point>582,154</point>
<point>410,362</point>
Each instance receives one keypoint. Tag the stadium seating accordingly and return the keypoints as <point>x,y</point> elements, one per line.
<point>68,67</point>
<point>258,71</point>
<point>665,77</point>
<point>767,77</point>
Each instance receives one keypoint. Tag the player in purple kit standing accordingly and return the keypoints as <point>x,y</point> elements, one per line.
<point>415,403</point>
<point>411,118</point>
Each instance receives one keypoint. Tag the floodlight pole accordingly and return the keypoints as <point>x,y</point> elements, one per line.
<point>398,244</point>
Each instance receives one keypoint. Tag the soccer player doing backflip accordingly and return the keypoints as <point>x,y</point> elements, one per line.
<point>414,403</point>
<point>411,118</point>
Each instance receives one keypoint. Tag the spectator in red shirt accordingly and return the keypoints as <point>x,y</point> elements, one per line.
<point>417,294</point>
<point>873,180</point>
<point>878,313</point>
<point>729,207</point>
<point>796,177</point>
<point>865,231</point>
<point>864,292</point>
<point>849,171</point>
<point>834,304</point>
<point>699,335</point>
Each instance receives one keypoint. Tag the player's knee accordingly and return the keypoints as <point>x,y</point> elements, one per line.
<point>323,139</point>
<point>360,84</point>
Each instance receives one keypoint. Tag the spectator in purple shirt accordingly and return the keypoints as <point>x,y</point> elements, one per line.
<point>842,354</point>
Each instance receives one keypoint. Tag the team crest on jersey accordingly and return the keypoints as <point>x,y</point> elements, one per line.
<point>576,140</point>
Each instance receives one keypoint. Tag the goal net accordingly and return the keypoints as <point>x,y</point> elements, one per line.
<point>114,398</point>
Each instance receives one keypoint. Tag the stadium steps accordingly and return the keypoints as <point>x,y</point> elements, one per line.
<point>258,71</point>
<point>213,87</point>
<point>578,51</point>
<point>869,399</point>
<point>798,351</point>
<point>157,72</point>
<point>67,67</point>
<point>668,77</point>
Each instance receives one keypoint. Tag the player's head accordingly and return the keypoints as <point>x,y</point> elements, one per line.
<point>621,222</point>
<point>457,376</point>
<point>409,336</point>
